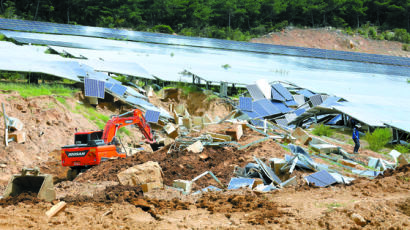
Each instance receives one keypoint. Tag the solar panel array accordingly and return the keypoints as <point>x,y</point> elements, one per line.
<point>276,95</point>
<point>53,28</point>
<point>265,108</point>
<point>118,89</point>
<point>321,179</point>
<point>94,88</point>
<point>283,91</point>
<point>152,116</point>
<point>245,104</point>
<point>305,93</point>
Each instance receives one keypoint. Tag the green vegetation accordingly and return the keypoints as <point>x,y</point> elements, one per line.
<point>402,148</point>
<point>323,130</point>
<point>186,88</point>
<point>227,19</point>
<point>226,66</point>
<point>121,78</point>
<point>31,90</point>
<point>92,114</point>
<point>378,139</point>
<point>408,80</point>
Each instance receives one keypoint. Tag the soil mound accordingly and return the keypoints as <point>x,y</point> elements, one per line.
<point>177,165</point>
<point>28,198</point>
<point>261,211</point>
<point>391,172</point>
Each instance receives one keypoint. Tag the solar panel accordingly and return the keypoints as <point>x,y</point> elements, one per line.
<point>305,93</point>
<point>316,100</point>
<point>330,101</point>
<point>291,103</point>
<point>267,106</point>
<point>258,123</point>
<point>94,88</point>
<point>252,114</point>
<point>290,117</point>
<point>255,92</point>
<point>276,95</point>
<point>237,183</point>
<point>281,107</point>
<point>298,112</point>
<point>321,179</point>
<point>45,27</point>
<point>283,91</point>
<point>282,122</point>
<point>152,116</point>
<point>299,99</point>
<point>108,85</point>
<point>245,103</point>
<point>118,89</point>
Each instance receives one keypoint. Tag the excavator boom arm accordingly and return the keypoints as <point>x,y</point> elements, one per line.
<point>116,122</point>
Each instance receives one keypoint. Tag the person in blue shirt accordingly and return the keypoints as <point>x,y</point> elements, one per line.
<point>356,138</point>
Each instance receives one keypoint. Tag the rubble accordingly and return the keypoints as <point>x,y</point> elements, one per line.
<point>149,172</point>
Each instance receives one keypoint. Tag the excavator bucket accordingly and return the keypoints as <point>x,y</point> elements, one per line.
<point>30,180</point>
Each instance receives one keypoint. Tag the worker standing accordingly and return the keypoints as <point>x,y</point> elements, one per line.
<point>356,138</point>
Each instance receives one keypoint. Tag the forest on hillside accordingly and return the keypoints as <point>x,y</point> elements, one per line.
<point>216,18</point>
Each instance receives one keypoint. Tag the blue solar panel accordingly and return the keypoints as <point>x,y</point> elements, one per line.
<point>118,89</point>
<point>108,85</point>
<point>152,116</point>
<point>255,92</point>
<point>258,109</point>
<point>283,91</point>
<point>94,88</point>
<point>331,101</point>
<point>252,114</point>
<point>245,103</point>
<point>291,103</point>
<point>321,179</point>
<point>257,123</point>
<point>316,99</point>
<point>237,183</point>
<point>298,112</point>
<point>281,107</point>
<point>276,96</point>
<point>268,106</point>
<point>305,93</point>
<point>45,27</point>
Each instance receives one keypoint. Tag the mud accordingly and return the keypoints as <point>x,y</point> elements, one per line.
<point>405,207</point>
<point>27,198</point>
<point>260,211</point>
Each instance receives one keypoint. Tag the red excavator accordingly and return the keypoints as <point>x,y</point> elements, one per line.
<point>93,147</point>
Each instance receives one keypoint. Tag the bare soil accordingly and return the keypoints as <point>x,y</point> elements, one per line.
<point>332,39</point>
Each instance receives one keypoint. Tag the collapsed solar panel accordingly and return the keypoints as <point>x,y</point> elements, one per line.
<point>316,100</point>
<point>94,88</point>
<point>265,108</point>
<point>152,116</point>
<point>118,89</point>
<point>281,107</point>
<point>283,91</point>
<point>245,104</point>
<point>321,179</point>
<point>237,183</point>
<point>276,95</point>
<point>255,92</point>
<point>291,103</point>
<point>305,93</point>
<point>282,122</point>
<point>298,112</point>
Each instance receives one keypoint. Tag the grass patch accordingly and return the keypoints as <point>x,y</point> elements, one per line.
<point>402,148</point>
<point>124,131</point>
<point>378,139</point>
<point>408,80</point>
<point>323,130</point>
<point>93,115</point>
<point>29,90</point>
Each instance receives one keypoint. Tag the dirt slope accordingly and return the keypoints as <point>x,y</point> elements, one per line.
<point>332,39</point>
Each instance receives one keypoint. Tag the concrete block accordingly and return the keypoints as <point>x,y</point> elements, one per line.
<point>185,185</point>
<point>171,130</point>
<point>150,186</point>
<point>148,172</point>
<point>325,148</point>
<point>187,122</point>
<point>18,136</point>
<point>198,122</point>
<point>276,164</point>
<point>236,132</point>
<point>196,147</point>
<point>402,160</point>
<point>180,109</point>
<point>348,163</point>
<point>150,92</point>
<point>220,137</point>
<point>302,136</point>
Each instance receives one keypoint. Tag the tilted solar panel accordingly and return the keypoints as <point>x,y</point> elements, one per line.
<point>255,92</point>
<point>276,95</point>
<point>152,116</point>
<point>321,179</point>
<point>118,89</point>
<point>245,103</point>
<point>283,91</point>
<point>94,88</point>
<point>316,100</point>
